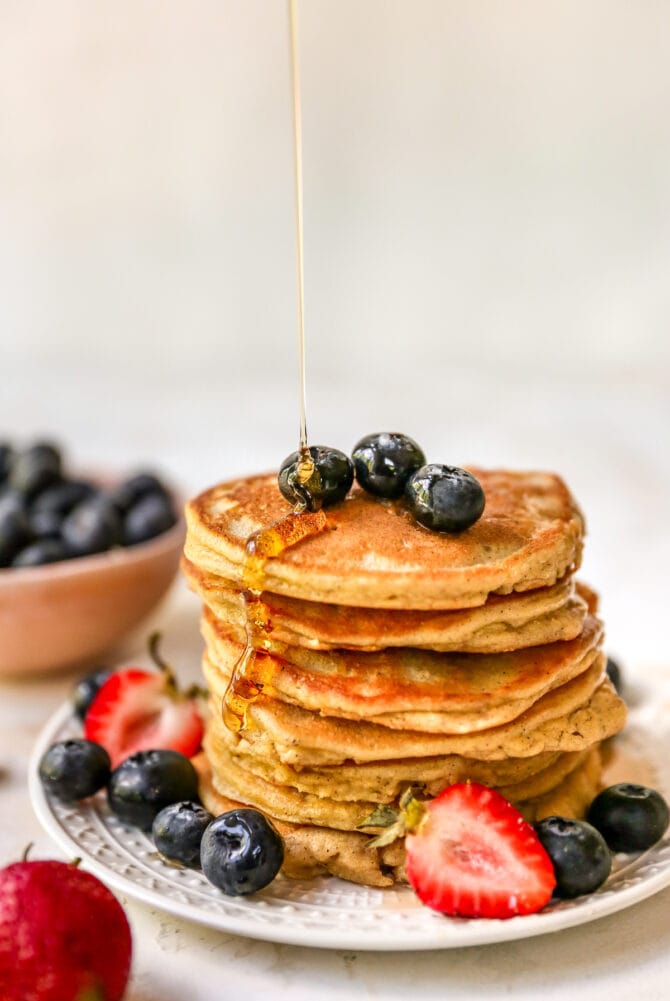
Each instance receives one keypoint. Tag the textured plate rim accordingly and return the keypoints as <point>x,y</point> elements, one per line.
<point>433,932</point>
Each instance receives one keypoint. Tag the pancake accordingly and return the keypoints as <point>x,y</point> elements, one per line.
<point>375,555</point>
<point>412,689</point>
<point>570,718</point>
<point>503,623</point>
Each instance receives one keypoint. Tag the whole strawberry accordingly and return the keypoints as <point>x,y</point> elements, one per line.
<point>63,935</point>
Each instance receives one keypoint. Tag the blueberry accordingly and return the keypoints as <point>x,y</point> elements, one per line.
<point>91,527</point>
<point>15,531</point>
<point>6,453</point>
<point>384,462</point>
<point>147,782</point>
<point>630,817</point>
<point>241,852</point>
<point>444,498</point>
<point>74,769</point>
<point>329,483</point>
<point>614,674</point>
<point>39,553</point>
<point>127,494</point>
<point>150,516</point>
<point>177,832</point>
<point>578,853</point>
<point>87,688</point>
<point>35,469</point>
<point>50,507</point>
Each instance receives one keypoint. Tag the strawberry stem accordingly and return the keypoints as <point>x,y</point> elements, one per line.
<point>29,847</point>
<point>160,663</point>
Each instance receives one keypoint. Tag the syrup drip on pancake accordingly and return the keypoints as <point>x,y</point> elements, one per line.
<point>255,668</point>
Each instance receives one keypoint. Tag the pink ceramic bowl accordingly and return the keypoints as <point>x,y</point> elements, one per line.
<point>67,614</point>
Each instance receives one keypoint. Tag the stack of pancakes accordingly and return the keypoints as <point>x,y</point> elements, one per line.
<point>401,657</point>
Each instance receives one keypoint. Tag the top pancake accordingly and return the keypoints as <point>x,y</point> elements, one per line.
<point>375,555</point>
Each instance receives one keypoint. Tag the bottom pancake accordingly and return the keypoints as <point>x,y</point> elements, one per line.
<point>311,851</point>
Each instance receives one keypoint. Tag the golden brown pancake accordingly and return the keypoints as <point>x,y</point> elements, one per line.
<point>503,623</point>
<point>375,555</point>
<point>412,689</point>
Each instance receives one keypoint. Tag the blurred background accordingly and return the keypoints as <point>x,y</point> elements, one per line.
<point>487,207</point>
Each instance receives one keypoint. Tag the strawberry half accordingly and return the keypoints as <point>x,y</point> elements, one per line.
<point>473,855</point>
<point>138,710</point>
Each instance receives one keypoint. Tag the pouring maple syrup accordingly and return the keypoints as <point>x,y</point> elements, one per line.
<point>256,667</point>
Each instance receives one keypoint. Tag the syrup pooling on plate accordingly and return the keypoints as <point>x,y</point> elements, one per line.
<point>255,668</point>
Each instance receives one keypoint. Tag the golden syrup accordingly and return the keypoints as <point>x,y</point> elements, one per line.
<point>256,667</point>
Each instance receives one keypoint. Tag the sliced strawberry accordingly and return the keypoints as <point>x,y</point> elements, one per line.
<point>138,710</point>
<point>473,855</point>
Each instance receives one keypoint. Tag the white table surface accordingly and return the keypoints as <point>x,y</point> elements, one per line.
<point>611,959</point>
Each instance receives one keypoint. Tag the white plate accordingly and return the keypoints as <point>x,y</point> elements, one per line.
<point>332,914</point>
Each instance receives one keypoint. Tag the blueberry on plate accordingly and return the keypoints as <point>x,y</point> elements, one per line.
<point>328,484</point>
<point>86,689</point>
<point>74,769</point>
<point>35,468</point>
<point>630,817</point>
<point>149,517</point>
<point>614,674</point>
<point>39,553</point>
<point>93,526</point>
<point>127,494</point>
<point>445,498</point>
<point>384,462</point>
<point>578,853</point>
<point>177,832</point>
<point>147,782</point>
<point>241,852</point>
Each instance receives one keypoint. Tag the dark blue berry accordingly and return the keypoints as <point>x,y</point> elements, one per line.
<point>93,526</point>
<point>630,817</point>
<point>177,832</point>
<point>147,782</point>
<point>578,853</point>
<point>35,469</point>
<point>40,553</point>
<point>50,507</point>
<point>74,769</point>
<point>86,689</point>
<point>241,852</point>
<point>150,516</point>
<point>127,494</point>
<point>614,674</point>
<point>15,532</point>
<point>384,462</point>
<point>445,498</point>
<point>329,483</point>
<point>6,453</point>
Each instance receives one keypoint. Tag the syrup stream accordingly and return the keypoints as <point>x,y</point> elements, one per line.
<point>256,667</point>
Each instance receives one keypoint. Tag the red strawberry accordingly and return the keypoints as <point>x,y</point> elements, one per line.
<point>473,855</point>
<point>137,710</point>
<point>63,936</point>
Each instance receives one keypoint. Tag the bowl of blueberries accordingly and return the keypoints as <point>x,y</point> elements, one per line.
<point>83,560</point>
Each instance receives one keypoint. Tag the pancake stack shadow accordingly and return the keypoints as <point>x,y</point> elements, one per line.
<point>401,657</point>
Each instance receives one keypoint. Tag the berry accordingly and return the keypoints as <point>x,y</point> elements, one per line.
<point>93,526</point>
<point>41,552</point>
<point>6,453</point>
<point>631,818</point>
<point>50,507</point>
<point>328,484</point>
<point>74,769</point>
<point>150,516</point>
<point>63,935</point>
<point>15,532</point>
<point>241,852</point>
<point>127,494</point>
<point>138,710</point>
<point>35,469</point>
<point>147,782</point>
<point>384,462</point>
<point>86,690</point>
<point>177,832</point>
<point>473,855</point>
<point>445,498</point>
<point>614,674</point>
<point>579,855</point>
